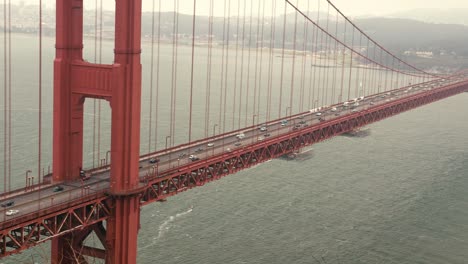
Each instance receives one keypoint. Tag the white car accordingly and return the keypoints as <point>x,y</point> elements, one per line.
<point>240,136</point>
<point>11,212</point>
<point>193,158</point>
<point>210,145</point>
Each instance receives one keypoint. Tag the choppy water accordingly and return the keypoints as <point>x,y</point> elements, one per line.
<point>397,196</point>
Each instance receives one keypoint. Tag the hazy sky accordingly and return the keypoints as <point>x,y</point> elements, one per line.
<point>349,7</point>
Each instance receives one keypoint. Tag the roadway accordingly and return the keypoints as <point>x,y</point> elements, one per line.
<point>171,159</point>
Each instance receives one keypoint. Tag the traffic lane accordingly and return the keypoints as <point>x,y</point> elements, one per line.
<point>48,199</point>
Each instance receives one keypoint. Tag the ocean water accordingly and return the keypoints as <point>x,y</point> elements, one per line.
<point>397,196</point>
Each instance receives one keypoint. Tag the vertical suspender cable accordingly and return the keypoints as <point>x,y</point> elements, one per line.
<point>208,71</point>
<point>271,58</point>
<point>327,62</point>
<point>282,61</point>
<point>259,97</point>
<point>254,110</point>
<point>304,60</point>
<point>39,159</point>
<point>95,61</point>
<point>350,64</point>
<point>291,92</point>
<point>99,101</point>
<point>157,79</point>
<point>317,64</point>
<point>358,87</point>
<point>222,70</point>
<point>9,95</point>
<point>241,82</point>
<point>191,74</point>
<point>320,63</point>
<point>248,66</point>
<point>343,63</point>
<point>150,131</point>
<point>335,68</point>
<point>234,105</point>
<point>227,67</point>
<point>5,104</point>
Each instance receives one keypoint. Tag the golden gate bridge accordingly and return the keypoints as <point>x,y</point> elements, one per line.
<point>267,79</point>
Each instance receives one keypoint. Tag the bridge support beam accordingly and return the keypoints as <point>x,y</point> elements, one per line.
<point>75,80</point>
<point>68,107</point>
<point>123,224</point>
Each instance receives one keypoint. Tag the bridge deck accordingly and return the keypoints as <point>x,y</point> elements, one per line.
<point>85,201</point>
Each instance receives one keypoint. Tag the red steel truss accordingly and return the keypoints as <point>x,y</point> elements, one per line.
<point>74,222</point>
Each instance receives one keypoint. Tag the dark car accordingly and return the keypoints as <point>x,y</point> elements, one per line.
<point>199,150</point>
<point>8,203</point>
<point>58,188</point>
<point>153,160</point>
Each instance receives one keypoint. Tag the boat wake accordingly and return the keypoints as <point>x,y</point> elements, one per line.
<point>165,226</point>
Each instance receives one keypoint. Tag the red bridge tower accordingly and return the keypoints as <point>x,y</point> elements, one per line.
<point>119,84</point>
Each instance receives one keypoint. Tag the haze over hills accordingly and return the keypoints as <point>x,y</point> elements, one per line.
<point>441,16</point>
<point>445,43</point>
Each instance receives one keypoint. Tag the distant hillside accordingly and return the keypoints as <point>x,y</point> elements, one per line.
<point>405,34</point>
<point>444,16</point>
<point>447,42</point>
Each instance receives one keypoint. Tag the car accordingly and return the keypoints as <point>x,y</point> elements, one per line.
<point>210,145</point>
<point>58,188</point>
<point>237,144</point>
<point>240,136</point>
<point>85,175</point>
<point>153,160</point>
<point>260,138</point>
<point>301,117</point>
<point>321,119</point>
<point>372,103</point>
<point>354,110</point>
<point>263,128</point>
<point>228,149</point>
<point>302,122</point>
<point>199,150</point>
<point>193,158</point>
<point>182,155</point>
<point>284,122</point>
<point>267,135</point>
<point>333,109</point>
<point>318,114</point>
<point>8,203</point>
<point>12,212</point>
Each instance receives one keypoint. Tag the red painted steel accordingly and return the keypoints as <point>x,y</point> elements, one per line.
<point>120,84</point>
<point>93,209</point>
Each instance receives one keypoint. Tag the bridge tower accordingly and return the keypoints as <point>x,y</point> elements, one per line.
<point>119,84</point>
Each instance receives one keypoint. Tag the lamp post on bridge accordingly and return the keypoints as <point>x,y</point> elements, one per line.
<point>26,179</point>
<point>288,108</point>
<point>107,157</point>
<point>214,129</point>
<point>254,128</point>
<point>167,137</point>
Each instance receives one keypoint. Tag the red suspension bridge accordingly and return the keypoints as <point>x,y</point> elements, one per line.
<point>223,94</point>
